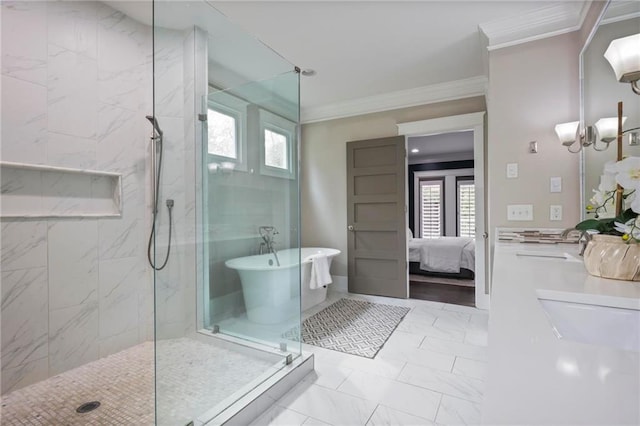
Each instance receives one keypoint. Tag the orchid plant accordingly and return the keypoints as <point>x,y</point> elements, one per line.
<point>625,173</point>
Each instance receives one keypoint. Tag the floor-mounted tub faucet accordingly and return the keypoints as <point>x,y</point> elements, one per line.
<point>268,234</point>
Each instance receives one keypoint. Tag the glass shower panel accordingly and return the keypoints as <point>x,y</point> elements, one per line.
<point>202,371</point>
<point>252,212</point>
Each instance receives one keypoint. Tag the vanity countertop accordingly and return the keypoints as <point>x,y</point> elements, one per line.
<point>535,377</point>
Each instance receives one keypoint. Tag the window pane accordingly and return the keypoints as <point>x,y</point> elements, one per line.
<point>466,210</point>
<point>431,209</point>
<point>275,150</point>
<point>222,134</point>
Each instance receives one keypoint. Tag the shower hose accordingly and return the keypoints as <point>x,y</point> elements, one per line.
<point>155,215</point>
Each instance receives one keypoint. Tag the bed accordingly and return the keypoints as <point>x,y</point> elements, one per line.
<point>448,257</point>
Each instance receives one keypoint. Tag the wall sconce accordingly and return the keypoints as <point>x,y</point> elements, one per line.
<point>623,55</point>
<point>605,130</point>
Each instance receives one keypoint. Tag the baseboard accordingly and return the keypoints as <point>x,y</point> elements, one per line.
<point>340,283</point>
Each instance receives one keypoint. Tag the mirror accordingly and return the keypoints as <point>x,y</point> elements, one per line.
<point>602,92</point>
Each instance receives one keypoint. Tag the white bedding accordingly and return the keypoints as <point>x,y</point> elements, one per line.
<point>446,244</point>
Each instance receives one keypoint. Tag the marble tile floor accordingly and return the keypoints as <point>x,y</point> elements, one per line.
<point>192,378</point>
<point>430,371</point>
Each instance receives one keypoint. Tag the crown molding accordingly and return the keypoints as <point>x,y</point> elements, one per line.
<point>548,21</point>
<point>621,11</point>
<point>459,89</point>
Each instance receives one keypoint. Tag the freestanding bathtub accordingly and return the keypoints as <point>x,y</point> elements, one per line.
<point>271,292</point>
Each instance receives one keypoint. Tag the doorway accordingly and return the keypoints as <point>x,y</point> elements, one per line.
<point>446,236</point>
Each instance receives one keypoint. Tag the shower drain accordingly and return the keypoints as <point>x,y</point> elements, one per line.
<point>87,407</point>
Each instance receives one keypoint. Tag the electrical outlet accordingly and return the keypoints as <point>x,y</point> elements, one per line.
<point>555,212</point>
<point>555,184</point>
<point>520,212</point>
<point>512,170</point>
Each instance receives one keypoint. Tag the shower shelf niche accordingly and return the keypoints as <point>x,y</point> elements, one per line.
<point>41,191</point>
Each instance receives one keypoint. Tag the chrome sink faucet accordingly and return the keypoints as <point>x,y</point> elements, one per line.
<point>583,240</point>
<point>268,234</point>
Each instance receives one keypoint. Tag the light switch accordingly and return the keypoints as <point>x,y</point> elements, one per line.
<point>520,212</point>
<point>555,212</point>
<point>512,170</point>
<point>555,184</point>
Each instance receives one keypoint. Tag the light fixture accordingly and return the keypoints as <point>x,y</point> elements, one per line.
<point>623,55</point>
<point>605,130</point>
<point>567,132</point>
<point>414,150</point>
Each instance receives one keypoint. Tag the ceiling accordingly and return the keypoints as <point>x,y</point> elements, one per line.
<point>362,50</point>
<point>434,146</point>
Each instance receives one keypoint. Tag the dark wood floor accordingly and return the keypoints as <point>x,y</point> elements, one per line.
<point>447,293</point>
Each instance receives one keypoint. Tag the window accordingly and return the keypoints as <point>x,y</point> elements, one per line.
<point>466,208</point>
<point>431,211</point>
<point>275,149</point>
<point>278,155</point>
<point>226,130</point>
<point>223,135</point>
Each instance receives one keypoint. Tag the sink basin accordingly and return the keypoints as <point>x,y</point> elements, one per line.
<point>594,324</point>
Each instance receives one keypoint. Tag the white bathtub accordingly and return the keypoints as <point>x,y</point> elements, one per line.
<point>271,293</point>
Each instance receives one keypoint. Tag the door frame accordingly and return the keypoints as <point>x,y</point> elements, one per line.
<point>474,122</point>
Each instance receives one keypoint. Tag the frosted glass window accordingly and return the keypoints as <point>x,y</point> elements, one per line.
<point>275,150</point>
<point>431,209</point>
<point>466,209</point>
<point>223,137</point>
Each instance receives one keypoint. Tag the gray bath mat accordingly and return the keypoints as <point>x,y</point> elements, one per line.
<point>355,327</point>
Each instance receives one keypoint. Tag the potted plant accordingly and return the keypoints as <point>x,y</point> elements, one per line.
<point>614,249</point>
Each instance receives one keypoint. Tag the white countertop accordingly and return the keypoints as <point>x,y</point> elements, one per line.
<point>536,378</point>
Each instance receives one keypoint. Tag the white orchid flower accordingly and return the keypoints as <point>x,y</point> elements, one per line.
<point>628,173</point>
<point>630,228</point>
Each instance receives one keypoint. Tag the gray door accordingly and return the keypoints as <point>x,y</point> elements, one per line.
<point>377,224</point>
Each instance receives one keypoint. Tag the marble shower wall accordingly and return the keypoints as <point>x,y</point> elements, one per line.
<point>76,85</point>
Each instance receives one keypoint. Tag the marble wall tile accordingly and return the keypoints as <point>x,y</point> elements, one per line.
<point>119,285</point>
<point>72,93</point>
<point>121,237</point>
<point>168,73</point>
<point>71,151</point>
<point>120,62</point>
<point>24,121</point>
<point>73,336</point>
<point>24,245</point>
<point>66,194</point>
<point>21,191</point>
<point>24,57</point>
<point>24,375</point>
<point>120,342</point>
<point>72,25</point>
<point>73,263</point>
<point>25,322</point>
<point>120,143</point>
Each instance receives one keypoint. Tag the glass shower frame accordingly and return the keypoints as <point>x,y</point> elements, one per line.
<point>182,291</point>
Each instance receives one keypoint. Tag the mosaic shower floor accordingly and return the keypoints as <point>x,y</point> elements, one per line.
<point>193,377</point>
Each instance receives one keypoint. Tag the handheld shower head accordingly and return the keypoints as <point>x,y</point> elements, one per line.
<point>155,125</point>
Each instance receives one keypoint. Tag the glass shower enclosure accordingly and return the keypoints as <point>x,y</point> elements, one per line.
<point>150,214</point>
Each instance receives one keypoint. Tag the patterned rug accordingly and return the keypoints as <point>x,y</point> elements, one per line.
<point>355,327</point>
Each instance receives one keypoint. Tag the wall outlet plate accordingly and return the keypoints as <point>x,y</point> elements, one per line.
<point>512,170</point>
<point>520,212</point>
<point>555,184</point>
<point>555,212</point>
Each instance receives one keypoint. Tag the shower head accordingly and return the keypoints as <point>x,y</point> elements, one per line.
<point>154,122</point>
